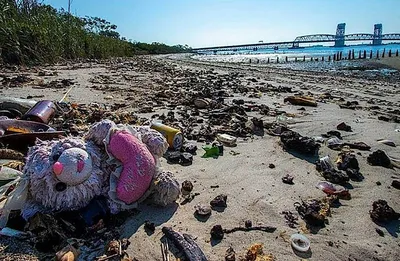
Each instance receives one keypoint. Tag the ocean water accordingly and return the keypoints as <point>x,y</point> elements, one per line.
<point>241,56</point>
<point>361,67</point>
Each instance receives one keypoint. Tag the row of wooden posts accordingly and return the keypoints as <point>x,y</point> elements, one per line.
<point>339,56</point>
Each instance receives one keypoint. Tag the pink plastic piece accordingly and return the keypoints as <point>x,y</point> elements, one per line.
<point>138,166</point>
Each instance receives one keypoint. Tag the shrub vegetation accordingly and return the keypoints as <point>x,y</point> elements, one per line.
<point>34,33</point>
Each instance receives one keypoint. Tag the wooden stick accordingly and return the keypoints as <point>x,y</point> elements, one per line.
<point>66,94</point>
<point>260,228</point>
<point>186,244</point>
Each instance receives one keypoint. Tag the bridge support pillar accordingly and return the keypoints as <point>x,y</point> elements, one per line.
<point>377,34</point>
<point>339,37</point>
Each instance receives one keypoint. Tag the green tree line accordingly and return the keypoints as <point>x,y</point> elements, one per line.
<point>34,33</point>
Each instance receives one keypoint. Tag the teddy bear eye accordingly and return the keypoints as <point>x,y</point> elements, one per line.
<point>56,156</point>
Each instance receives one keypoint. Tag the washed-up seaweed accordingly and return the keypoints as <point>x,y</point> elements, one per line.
<point>314,211</point>
<point>11,154</point>
<point>290,219</point>
<point>379,158</point>
<point>381,212</point>
<point>292,140</point>
<point>255,253</point>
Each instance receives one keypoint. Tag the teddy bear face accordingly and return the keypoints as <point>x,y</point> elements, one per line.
<point>73,167</point>
<point>64,174</point>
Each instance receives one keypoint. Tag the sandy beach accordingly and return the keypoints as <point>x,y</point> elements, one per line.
<point>254,190</point>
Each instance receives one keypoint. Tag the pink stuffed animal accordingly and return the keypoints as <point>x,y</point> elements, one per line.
<point>119,162</point>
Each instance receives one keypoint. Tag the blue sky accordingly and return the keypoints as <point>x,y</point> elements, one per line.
<point>201,23</point>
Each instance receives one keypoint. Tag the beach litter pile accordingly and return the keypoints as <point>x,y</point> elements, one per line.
<point>72,177</point>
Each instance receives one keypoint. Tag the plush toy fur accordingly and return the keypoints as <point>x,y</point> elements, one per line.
<point>48,194</point>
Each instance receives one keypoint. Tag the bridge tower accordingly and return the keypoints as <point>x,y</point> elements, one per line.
<point>339,37</point>
<point>377,34</point>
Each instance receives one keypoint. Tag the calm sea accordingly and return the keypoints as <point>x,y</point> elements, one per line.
<point>312,51</point>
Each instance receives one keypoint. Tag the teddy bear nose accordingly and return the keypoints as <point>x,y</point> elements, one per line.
<point>81,165</point>
<point>58,168</point>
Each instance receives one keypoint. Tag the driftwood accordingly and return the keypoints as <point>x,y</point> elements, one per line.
<point>260,228</point>
<point>186,244</point>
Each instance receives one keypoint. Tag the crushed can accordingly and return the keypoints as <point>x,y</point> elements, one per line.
<point>174,136</point>
<point>42,111</point>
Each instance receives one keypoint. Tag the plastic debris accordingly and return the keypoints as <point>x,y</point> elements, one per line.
<point>300,242</point>
<point>9,232</point>
<point>227,139</point>
<point>331,189</point>
<point>211,151</point>
<point>325,166</point>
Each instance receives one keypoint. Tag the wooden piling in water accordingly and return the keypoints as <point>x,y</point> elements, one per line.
<point>352,54</point>
<point>277,59</point>
<point>377,54</point>
<point>286,59</point>
<point>334,56</point>
<point>304,58</point>
<point>329,58</point>
<point>359,54</point>
<point>370,55</point>
<point>397,53</point>
<point>349,55</point>
<point>295,59</point>
<point>390,53</point>
<point>383,53</point>
<point>365,54</point>
<point>268,60</point>
<point>312,59</point>
<point>340,55</point>
<point>322,59</point>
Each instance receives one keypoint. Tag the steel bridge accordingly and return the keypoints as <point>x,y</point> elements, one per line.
<point>339,39</point>
<point>320,38</point>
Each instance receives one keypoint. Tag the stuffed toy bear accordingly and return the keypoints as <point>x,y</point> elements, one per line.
<point>120,162</point>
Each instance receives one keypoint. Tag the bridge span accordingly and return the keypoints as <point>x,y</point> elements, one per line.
<point>339,39</point>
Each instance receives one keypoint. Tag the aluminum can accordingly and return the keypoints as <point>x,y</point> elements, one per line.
<point>174,136</point>
<point>42,112</point>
